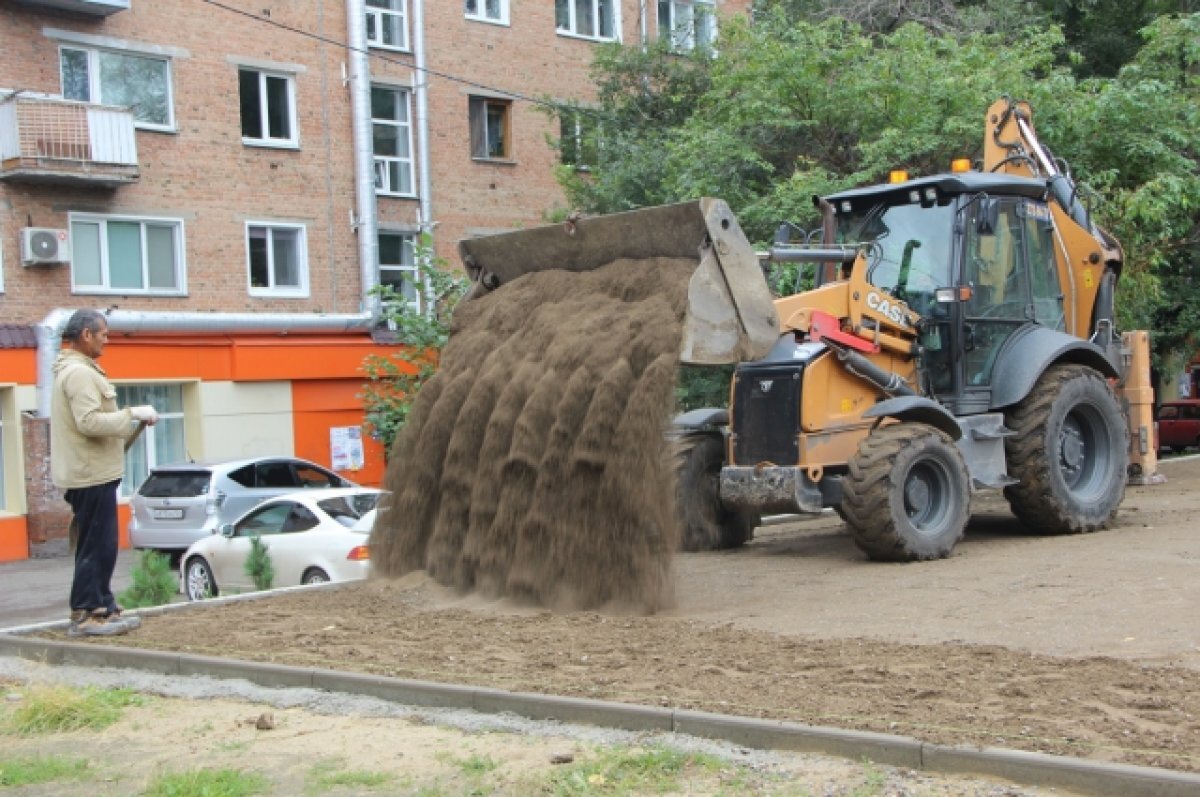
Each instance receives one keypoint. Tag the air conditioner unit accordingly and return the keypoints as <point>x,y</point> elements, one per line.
<point>41,246</point>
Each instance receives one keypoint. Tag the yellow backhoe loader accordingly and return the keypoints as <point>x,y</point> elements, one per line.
<point>960,336</point>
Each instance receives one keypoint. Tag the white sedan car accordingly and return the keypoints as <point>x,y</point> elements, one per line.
<point>311,537</point>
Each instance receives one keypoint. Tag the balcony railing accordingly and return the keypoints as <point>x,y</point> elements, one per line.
<point>95,8</point>
<point>63,141</point>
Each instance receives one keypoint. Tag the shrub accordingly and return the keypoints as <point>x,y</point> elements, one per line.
<point>153,582</point>
<point>258,564</point>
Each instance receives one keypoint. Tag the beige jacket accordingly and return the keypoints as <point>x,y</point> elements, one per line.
<point>87,431</point>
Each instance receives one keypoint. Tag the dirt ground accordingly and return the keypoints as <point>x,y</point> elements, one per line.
<point>298,741</point>
<point>1085,646</point>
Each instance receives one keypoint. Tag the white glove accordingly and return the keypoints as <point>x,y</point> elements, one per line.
<point>144,413</point>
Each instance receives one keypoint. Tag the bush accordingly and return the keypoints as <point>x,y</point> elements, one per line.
<point>258,564</point>
<point>153,582</point>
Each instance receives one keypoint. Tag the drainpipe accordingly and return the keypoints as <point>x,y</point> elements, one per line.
<point>134,322</point>
<point>367,222</point>
<point>421,92</point>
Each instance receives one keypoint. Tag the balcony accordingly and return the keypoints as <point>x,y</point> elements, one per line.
<point>93,8</point>
<point>65,142</point>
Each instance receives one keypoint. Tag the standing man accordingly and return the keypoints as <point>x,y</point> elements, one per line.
<point>87,459</point>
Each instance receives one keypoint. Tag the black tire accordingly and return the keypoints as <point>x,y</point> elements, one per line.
<point>1069,453</point>
<point>198,582</point>
<point>906,495</point>
<point>707,525</point>
<point>314,575</point>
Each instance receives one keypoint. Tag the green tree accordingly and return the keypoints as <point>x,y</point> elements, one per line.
<point>793,108</point>
<point>393,381</point>
<point>153,583</point>
<point>258,564</point>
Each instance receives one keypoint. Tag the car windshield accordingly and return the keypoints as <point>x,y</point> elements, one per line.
<point>346,509</point>
<point>910,244</point>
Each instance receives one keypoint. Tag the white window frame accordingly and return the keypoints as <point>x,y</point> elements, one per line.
<point>105,288</point>
<point>573,23</point>
<point>272,290</point>
<point>147,438</point>
<point>96,90</point>
<point>572,126</point>
<point>379,15</point>
<point>683,39</point>
<point>480,13</point>
<point>411,271</point>
<point>382,173</point>
<point>292,142</point>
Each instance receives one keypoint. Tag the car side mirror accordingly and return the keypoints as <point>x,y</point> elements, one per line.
<point>988,217</point>
<point>227,530</point>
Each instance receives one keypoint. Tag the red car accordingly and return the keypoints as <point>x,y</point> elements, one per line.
<point>1179,424</point>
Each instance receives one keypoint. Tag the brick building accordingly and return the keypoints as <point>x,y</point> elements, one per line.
<point>231,179</point>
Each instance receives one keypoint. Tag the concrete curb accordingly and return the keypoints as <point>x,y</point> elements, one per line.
<point>1033,769</point>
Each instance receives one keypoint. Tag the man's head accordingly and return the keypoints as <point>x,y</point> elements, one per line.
<point>86,332</point>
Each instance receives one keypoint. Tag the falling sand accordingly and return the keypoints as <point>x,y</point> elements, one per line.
<point>534,464</point>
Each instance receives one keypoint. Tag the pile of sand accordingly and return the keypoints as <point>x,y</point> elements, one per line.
<point>534,464</point>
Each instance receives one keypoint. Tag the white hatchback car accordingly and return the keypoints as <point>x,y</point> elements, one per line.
<point>311,537</point>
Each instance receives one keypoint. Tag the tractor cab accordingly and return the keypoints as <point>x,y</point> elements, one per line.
<point>973,254</point>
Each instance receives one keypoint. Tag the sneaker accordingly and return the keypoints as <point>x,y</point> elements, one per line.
<point>84,623</point>
<point>131,621</point>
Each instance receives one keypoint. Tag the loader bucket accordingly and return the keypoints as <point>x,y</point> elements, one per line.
<point>731,314</point>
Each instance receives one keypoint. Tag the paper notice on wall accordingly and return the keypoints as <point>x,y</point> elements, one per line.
<point>346,447</point>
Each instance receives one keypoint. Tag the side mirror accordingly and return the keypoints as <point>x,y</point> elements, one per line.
<point>227,530</point>
<point>988,217</point>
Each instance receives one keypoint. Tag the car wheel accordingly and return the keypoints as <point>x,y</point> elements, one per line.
<point>199,583</point>
<point>315,575</point>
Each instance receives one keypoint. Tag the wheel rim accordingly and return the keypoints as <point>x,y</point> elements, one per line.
<point>199,582</point>
<point>1083,451</point>
<point>926,496</point>
<point>316,578</point>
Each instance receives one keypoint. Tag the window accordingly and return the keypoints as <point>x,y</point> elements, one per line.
<point>268,108</point>
<point>278,259</point>
<point>1043,269</point>
<point>488,10</point>
<point>592,19</point>
<point>387,24</point>
<point>392,136</point>
<point>578,139</point>
<point>268,520</point>
<point>687,24</point>
<point>997,269</point>
<point>398,268</point>
<point>113,254</point>
<point>490,128</point>
<point>140,82</point>
<point>160,444</point>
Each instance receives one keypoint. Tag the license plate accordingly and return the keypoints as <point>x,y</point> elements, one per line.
<point>167,514</point>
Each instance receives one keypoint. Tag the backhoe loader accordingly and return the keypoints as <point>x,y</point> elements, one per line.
<point>959,336</point>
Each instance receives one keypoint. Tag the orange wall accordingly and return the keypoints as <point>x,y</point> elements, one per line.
<point>308,358</point>
<point>168,358</point>
<point>14,539</point>
<point>325,372</point>
<point>18,365</point>
<point>318,406</point>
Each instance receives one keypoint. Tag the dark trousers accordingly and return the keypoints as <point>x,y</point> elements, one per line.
<point>95,511</point>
